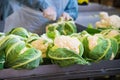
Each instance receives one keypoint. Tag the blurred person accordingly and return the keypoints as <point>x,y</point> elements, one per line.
<point>34,15</point>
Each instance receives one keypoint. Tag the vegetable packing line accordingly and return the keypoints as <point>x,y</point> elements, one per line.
<point>53,72</point>
<point>60,38</point>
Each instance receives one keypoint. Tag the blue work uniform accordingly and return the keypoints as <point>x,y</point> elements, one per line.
<point>5,9</point>
<point>27,13</point>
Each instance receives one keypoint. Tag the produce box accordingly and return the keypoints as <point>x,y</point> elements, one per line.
<point>54,72</point>
<point>103,68</point>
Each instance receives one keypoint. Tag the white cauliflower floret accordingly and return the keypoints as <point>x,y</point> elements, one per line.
<point>68,42</point>
<point>115,21</point>
<point>113,33</point>
<point>108,21</point>
<point>45,37</point>
<point>102,24</point>
<point>93,41</point>
<point>104,15</point>
<point>40,45</point>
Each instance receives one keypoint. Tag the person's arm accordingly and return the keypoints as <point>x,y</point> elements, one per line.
<point>72,9</point>
<point>44,5</point>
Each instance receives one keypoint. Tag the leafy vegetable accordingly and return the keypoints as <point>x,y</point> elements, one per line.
<point>68,28</point>
<point>108,22</point>
<point>67,51</point>
<point>2,59</point>
<point>61,28</point>
<point>98,48</point>
<point>41,45</point>
<point>28,59</point>
<point>115,47</point>
<point>19,54</point>
<point>19,31</point>
<point>65,57</point>
<point>2,54</point>
<point>113,34</point>
<point>51,30</point>
<point>32,37</point>
<point>21,49</point>
<point>17,51</point>
<point>91,30</point>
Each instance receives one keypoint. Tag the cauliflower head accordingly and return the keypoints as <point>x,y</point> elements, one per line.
<point>41,45</point>
<point>112,34</point>
<point>93,41</point>
<point>68,42</point>
<point>107,21</point>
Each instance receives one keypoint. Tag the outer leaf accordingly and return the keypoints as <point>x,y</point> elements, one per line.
<point>61,28</point>
<point>101,51</point>
<point>81,49</point>
<point>115,47</point>
<point>13,51</point>
<point>32,37</point>
<point>92,30</point>
<point>51,31</point>
<point>2,59</point>
<point>18,54</point>
<point>5,40</point>
<point>20,32</point>
<point>65,57</point>
<point>69,28</point>
<point>113,34</point>
<point>29,59</point>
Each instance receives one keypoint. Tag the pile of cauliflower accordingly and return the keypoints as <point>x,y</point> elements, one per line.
<point>107,21</point>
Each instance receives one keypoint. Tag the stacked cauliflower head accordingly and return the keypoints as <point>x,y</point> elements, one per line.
<point>41,45</point>
<point>68,42</point>
<point>107,21</point>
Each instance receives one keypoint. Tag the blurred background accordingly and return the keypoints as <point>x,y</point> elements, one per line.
<point>114,3</point>
<point>88,10</point>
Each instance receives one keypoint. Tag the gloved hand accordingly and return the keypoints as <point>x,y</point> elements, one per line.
<point>50,13</point>
<point>66,16</point>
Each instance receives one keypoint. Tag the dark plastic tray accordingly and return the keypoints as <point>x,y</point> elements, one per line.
<point>54,72</point>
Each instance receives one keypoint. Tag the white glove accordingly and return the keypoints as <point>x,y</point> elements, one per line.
<point>66,16</point>
<point>50,13</point>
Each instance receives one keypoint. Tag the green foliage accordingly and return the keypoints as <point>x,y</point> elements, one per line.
<point>95,44</point>
<point>102,48</point>
<point>20,32</point>
<point>114,35</point>
<point>65,57</point>
<point>61,28</point>
<point>2,59</point>
<point>17,52</point>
